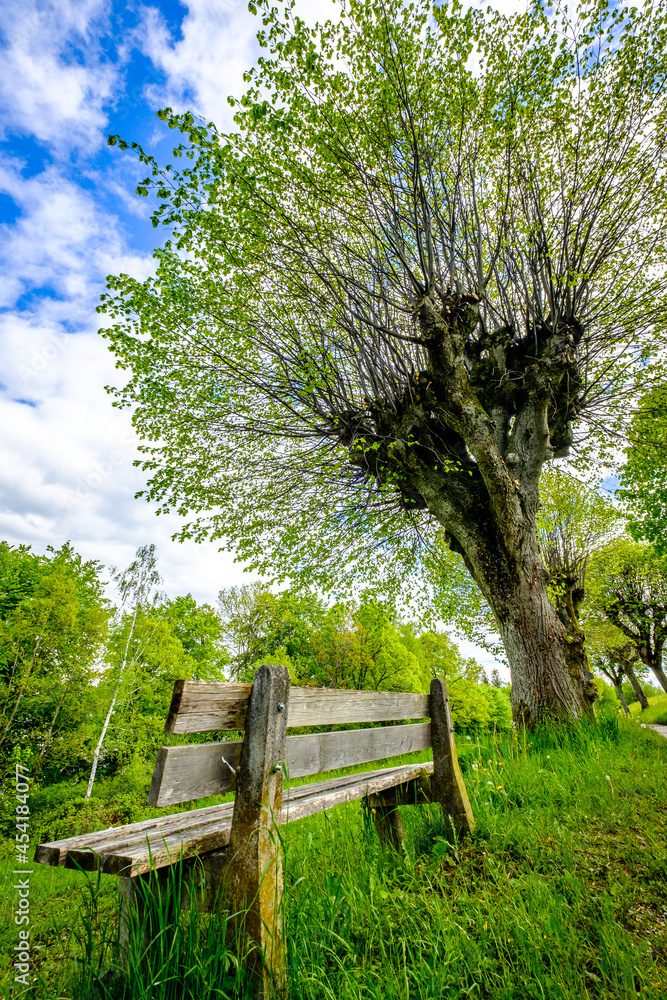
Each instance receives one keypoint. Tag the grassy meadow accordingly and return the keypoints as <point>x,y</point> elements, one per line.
<point>655,714</point>
<point>560,894</point>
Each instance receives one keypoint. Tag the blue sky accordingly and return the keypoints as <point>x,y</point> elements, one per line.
<point>71,73</point>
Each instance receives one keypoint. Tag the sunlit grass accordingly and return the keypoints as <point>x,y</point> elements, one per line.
<point>655,714</point>
<point>561,893</point>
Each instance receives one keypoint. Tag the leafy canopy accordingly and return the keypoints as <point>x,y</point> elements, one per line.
<point>408,170</point>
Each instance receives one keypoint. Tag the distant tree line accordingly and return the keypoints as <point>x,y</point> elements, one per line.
<point>85,684</point>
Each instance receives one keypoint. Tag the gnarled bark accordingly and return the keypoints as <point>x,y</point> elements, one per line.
<point>476,469</point>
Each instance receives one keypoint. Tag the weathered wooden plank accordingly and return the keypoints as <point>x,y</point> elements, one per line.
<point>124,849</point>
<point>139,856</point>
<point>194,772</point>
<point>207,706</point>
<point>331,751</point>
<point>254,874</point>
<point>54,853</point>
<point>202,707</point>
<point>199,770</point>
<point>158,847</point>
<point>447,787</point>
<point>323,706</point>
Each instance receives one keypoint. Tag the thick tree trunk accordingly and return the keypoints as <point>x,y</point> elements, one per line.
<point>546,662</point>
<point>636,686</point>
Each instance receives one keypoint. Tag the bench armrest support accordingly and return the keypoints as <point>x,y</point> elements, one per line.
<point>447,785</point>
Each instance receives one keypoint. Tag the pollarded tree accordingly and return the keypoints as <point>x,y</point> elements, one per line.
<point>433,244</point>
<point>629,587</point>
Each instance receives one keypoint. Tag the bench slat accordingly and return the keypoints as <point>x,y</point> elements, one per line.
<point>124,850</point>
<point>212,706</point>
<point>54,853</point>
<point>198,770</point>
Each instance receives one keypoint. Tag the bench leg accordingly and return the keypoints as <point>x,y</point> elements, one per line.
<point>388,824</point>
<point>384,806</point>
<point>254,876</point>
<point>204,881</point>
<point>132,906</point>
<point>130,909</point>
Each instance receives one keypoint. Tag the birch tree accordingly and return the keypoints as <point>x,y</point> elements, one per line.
<point>137,588</point>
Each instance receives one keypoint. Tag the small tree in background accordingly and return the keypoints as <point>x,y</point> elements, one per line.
<point>573,522</point>
<point>628,586</point>
<point>53,625</point>
<point>137,586</point>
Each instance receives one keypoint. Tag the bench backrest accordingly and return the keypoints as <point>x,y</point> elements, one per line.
<point>196,771</point>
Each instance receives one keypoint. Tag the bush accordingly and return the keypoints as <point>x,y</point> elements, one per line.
<point>479,706</point>
<point>501,707</point>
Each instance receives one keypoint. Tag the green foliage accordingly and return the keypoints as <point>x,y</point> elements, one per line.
<point>457,600</point>
<point>573,522</point>
<point>609,703</point>
<point>627,587</point>
<point>476,707</point>
<point>53,624</point>
<point>144,657</point>
<point>256,622</point>
<point>198,629</point>
<point>285,272</point>
<point>354,644</point>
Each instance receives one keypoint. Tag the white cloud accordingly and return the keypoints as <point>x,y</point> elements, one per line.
<point>68,470</point>
<point>56,240</point>
<point>217,46</point>
<point>207,64</point>
<point>54,79</point>
<point>66,454</point>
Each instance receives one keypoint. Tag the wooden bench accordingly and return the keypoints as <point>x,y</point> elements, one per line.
<point>235,844</point>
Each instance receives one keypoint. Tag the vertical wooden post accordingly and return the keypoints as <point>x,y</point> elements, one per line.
<point>388,822</point>
<point>254,877</point>
<point>447,785</point>
<point>129,907</point>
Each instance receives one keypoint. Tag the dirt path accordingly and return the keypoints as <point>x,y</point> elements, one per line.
<point>660,729</point>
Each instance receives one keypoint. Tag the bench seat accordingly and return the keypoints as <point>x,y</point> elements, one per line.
<point>133,849</point>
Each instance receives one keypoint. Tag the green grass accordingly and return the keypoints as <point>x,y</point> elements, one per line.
<point>560,894</point>
<point>655,714</point>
